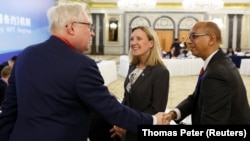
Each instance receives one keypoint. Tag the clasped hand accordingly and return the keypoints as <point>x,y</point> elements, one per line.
<point>162,119</point>
<point>117,131</point>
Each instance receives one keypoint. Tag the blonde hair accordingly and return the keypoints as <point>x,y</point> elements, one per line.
<point>6,71</point>
<point>155,52</point>
<point>60,15</point>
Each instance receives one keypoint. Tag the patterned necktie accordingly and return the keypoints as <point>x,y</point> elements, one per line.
<point>201,72</point>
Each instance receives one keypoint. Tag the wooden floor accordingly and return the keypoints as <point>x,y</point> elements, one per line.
<point>180,87</point>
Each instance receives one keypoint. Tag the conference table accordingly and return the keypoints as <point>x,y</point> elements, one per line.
<point>108,70</point>
<point>245,67</point>
<point>237,59</point>
<point>176,67</point>
<point>183,67</point>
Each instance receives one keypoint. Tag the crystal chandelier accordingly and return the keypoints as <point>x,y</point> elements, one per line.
<point>136,5</point>
<point>202,5</point>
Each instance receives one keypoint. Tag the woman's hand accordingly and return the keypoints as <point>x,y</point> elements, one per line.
<point>117,131</point>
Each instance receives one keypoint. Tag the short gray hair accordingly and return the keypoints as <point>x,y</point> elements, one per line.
<point>59,16</point>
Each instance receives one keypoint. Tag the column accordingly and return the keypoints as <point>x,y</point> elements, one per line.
<point>93,46</point>
<point>101,35</point>
<point>238,38</point>
<point>230,31</point>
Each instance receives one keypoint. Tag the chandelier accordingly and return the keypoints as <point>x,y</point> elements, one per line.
<point>136,5</point>
<point>202,5</point>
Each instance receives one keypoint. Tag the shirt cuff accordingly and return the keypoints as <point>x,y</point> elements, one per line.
<point>154,120</point>
<point>178,113</point>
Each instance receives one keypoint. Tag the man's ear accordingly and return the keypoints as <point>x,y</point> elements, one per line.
<point>212,39</point>
<point>70,28</point>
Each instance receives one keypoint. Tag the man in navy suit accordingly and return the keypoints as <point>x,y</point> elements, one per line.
<point>54,87</point>
<point>220,96</point>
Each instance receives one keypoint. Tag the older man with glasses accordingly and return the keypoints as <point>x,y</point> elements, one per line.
<point>54,87</point>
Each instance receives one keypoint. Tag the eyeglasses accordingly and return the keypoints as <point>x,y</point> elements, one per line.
<point>193,36</point>
<point>91,26</point>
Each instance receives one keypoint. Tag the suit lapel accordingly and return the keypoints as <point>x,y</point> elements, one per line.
<point>143,76</point>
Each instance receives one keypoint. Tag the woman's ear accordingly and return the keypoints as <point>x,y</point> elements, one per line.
<point>151,44</point>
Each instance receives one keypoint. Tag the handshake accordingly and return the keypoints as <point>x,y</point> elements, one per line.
<point>161,117</point>
<point>165,118</point>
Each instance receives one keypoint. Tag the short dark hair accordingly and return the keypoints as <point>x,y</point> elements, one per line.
<point>13,58</point>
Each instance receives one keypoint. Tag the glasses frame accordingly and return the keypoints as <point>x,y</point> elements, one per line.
<point>91,26</point>
<point>194,36</point>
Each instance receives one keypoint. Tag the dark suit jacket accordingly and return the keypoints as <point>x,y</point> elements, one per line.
<point>3,86</point>
<point>52,90</point>
<point>221,98</point>
<point>149,93</point>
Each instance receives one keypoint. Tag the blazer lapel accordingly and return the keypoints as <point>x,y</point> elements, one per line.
<point>142,77</point>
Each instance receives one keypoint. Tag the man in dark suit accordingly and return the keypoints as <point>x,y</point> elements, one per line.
<point>54,87</point>
<point>220,96</point>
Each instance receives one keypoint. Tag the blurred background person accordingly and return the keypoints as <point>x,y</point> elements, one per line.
<point>163,53</point>
<point>171,53</point>
<point>176,45</point>
<point>183,44</point>
<point>5,74</point>
<point>183,53</point>
<point>230,51</point>
<point>10,62</point>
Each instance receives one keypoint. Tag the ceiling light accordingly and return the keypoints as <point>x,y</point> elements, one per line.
<point>202,5</point>
<point>136,5</point>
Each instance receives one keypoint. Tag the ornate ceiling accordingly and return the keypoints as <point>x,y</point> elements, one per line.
<point>236,4</point>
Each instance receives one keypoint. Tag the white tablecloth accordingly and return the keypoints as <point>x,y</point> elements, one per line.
<point>245,67</point>
<point>176,67</point>
<point>124,64</point>
<point>108,70</point>
<point>183,67</point>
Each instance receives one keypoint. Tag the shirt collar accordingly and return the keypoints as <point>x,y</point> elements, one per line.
<point>208,59</point>
<point>65,41</point>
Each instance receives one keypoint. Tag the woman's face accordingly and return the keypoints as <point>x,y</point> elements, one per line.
<point>140,45</point>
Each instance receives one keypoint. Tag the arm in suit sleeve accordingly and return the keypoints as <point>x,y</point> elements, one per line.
<point>186,107</point>
<point>160,90</point>
<point>92,91</point>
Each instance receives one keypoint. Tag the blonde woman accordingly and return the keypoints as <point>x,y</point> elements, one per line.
<point>147,83</point>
